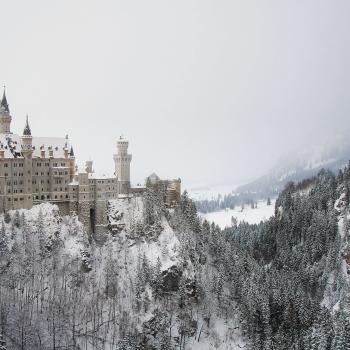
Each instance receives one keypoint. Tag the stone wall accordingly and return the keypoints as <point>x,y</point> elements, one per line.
<point>63,208</point>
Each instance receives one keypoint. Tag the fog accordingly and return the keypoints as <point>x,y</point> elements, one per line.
<point>209,91</point>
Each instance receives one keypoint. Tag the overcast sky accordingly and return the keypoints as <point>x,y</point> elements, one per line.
<point>209,91</point>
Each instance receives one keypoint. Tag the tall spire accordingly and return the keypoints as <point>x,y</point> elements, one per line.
<point>4,103</point>
<point>71,153</point>
<point>27,131</point>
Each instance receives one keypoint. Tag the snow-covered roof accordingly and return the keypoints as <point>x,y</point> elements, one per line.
<point>139,186</point>
<point>154,178</point>
<point>74,183</point>
<point>12,145</point>
<point>101,176</point>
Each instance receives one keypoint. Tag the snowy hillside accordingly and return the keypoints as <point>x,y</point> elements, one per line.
<point>163,279</point>
<point>109,293</point>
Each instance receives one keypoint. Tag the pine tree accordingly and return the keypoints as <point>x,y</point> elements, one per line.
<point>17,219</point>
<point>2,343</point>
<point>40,231</point>
<point>156,280</point>
<point>339,340</point>
<point>4,251</point>
<point>7,217</point>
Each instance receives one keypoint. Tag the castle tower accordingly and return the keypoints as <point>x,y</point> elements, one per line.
<point>122,166</point>
<point>5,117</point>
<point>27,152</point>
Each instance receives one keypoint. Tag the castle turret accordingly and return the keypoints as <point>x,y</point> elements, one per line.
<point>89,166</point>
<point>122,165</point>
<point>71,163</point>
<point>5,117</point>
<point>27,152</point>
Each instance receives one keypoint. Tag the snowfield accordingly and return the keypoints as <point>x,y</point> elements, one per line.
<point>252,216</point>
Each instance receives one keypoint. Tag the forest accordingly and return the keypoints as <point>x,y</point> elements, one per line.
<point>281,284</point>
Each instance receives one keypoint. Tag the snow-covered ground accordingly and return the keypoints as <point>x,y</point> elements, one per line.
<point>252,216</point>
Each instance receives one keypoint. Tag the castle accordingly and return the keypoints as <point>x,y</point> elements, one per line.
<point>34,170</point>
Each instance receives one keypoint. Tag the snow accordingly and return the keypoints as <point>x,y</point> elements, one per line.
<point>252,216</point>
<point>125,212</point>
<point>221,335</point>
<point>37,142</point>
<point>122,252</point>
<point>333,292</point>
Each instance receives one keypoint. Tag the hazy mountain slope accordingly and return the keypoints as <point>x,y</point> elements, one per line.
<point>298,166</point>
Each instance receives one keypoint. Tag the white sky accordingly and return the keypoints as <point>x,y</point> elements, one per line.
<point>210,91</point>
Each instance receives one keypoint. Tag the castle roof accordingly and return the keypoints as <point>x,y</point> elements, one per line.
<point>27,131</point>
<point>154,176</point>
<point>4,103</point>
<point>12,144</point>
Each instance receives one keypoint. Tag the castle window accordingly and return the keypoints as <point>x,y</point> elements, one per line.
<point>15,165</point>
<point>9,199</point>
<point>6,174</point>
<point>16,199</point>
<point>55,196</point>
<point>5,165</point>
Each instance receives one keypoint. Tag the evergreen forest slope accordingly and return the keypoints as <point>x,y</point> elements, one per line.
<point>164,279</point>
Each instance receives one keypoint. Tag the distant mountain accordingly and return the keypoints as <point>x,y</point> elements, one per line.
<point>296,167</point>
